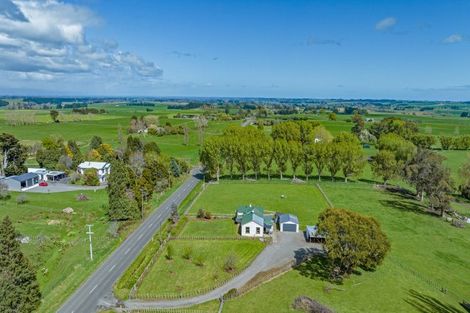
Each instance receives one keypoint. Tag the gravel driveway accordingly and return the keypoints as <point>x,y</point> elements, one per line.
<point>285,248</point>
<point>61,187</point>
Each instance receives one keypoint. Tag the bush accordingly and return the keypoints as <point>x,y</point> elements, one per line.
<point>465,191</point>
<point>21,199</point>
<point>458,223</point>
<point>232,293</point>
<point>199,260</point>
<point>203,214</point>
<point>90,178</point>
<point>74,178</point>
<point>4,194</point>
<point>169,252</point>
<point>187,252</point>
<point>200,213</point>
<point>309,305</point>
<point>230,263</point>
<point>82,197</point>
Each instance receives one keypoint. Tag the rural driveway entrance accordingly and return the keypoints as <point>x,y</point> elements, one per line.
<point>285,248</point>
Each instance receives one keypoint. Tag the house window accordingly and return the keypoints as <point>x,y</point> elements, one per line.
<point>247,230</point>
<point>258,230</point>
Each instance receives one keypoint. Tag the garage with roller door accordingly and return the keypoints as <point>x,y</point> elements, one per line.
<point>288,223</point>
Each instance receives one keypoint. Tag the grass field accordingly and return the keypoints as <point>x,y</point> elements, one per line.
<point>59,248</point>
<point>305,201</point>
<point>427,254</point>
<point>107,126</point>
<point>180,276</point>
<point>210,228</point>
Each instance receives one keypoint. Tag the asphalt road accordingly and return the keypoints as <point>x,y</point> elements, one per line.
<point>99,286</point>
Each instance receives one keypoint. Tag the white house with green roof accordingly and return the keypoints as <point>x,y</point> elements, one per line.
<point>253,222</point>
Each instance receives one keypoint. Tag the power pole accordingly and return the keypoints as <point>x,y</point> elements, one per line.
<point>89,233</point>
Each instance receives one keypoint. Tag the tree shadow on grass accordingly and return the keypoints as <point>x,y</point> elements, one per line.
<point>427,304</point>
<point>404,205</point>
<point>317,267</point>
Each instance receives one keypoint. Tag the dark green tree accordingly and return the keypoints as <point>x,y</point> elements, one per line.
<point>95,142</point>
<point>54,116</point>
<point>19,289</point>
<point>13,155</point>
<point>122,203</point>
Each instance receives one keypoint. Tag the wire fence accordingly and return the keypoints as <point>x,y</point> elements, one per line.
<point>324,195</point>
<point>259,279</point>
<point>430,282</point>
<point>168,310</point>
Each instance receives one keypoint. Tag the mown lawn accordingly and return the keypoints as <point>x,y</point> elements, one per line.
<point>180,276</point>
<point>427,255</point>
<point>216,227</point>
<point>305,201</point>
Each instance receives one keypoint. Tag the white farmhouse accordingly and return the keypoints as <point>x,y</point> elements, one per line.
<point>102,169</point>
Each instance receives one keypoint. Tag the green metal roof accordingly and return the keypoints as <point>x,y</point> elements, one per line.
<point>252,217</point>
<point>249,208</point>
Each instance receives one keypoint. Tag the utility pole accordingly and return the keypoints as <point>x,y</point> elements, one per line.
<point>89,233</point>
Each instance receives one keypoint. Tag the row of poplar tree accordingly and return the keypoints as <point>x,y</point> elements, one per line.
<point>300,145</point>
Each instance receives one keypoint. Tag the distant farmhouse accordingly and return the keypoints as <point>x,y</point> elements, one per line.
<point>102,169</point>
<point>253,222</point>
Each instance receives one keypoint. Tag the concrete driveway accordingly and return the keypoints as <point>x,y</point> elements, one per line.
<point>285,248</point>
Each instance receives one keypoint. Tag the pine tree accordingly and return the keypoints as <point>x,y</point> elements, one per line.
<point>122,204</point>
<point>19,289</point>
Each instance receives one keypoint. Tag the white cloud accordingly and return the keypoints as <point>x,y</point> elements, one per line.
<point>45,39</point>
<point>385,23</point>
<point>454,38</point>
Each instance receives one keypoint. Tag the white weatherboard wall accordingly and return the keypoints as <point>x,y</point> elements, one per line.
<point>252,226</point>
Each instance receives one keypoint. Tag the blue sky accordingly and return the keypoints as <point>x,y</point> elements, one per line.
<point>320,49</point>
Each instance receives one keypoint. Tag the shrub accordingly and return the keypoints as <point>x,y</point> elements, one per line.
<point>309,305</point>
<point>82,197</point>
<point>203,214</point>
<point>74,178</point>
<point>230,263</point>
<point>21,199</point>
<point>187,252</point>
<point>199,260</point>
<point>90,178</point>
<point>4,194</point>
<point>200,213</point>
<point>458,223</point>
<point>232,293</point>
<point>169,252</point>
<point>465,191</point>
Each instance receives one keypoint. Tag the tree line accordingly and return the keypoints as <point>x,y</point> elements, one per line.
<point>298,145</point>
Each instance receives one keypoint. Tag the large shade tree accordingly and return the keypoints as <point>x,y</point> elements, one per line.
<point>352,240</point>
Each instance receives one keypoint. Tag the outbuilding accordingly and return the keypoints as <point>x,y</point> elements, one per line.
<point>312,235</point>
<point>22,182</point>
<point>287,223</point>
